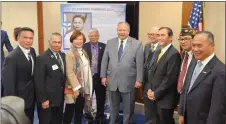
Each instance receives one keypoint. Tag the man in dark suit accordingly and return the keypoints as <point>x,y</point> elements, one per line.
<point>17,71</point>
<point>95,51</point>
<point>149,50</point>
<point>162,79</point>
<point>49,82</point>
<point>185,40</point>
<point>203,97</point>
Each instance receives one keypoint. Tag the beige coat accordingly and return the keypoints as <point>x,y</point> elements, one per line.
<point>74,73</point>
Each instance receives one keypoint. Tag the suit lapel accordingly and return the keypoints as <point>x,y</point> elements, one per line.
<point>53,58</point>
<point>147,51</point>
<point>126,47</point>
<point>23,57</point>
<point>64,61</point>
<point>206,70</point>
<point>89,51</point>
<point>190,71</point>
<point>164,55</point>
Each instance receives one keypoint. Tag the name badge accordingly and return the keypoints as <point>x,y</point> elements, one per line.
<point>54,67</point>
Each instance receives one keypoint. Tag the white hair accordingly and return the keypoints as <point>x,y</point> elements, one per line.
<point>93,30</point>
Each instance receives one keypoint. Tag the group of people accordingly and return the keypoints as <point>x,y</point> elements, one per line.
<point>193,80</point>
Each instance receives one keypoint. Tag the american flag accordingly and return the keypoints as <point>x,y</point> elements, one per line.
<point>196,16</point>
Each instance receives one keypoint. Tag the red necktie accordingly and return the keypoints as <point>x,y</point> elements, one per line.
<point>182,73</point>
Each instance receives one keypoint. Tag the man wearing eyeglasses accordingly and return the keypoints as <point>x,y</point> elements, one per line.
<point>185,40</point>
<point>149,50</point>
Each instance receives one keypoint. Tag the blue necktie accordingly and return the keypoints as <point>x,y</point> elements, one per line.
<point>120,51</point>
<point>195,74</point>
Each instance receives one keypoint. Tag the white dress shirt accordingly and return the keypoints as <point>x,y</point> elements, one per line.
<point>164,49</point>
<point>26,51</point>
<point>124,42</point>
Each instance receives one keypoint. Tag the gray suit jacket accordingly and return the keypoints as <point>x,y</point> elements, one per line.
<point>124,73</point>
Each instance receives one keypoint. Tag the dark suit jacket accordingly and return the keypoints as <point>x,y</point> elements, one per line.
<point>16,76</point>
<point>87,48</point>
<point>148,54</point>
<point>163,78</point>
<point>205,102</point>
<point>49,82</point>
<point>5,41</point>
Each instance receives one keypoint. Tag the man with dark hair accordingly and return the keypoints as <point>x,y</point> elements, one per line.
<point>162,82</point>
<point>15,32</point>
<point>17,71</point>
<point>185,40</point>
<point>49,80</point>
<point>202,99</point>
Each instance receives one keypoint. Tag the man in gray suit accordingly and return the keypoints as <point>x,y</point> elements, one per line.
<point>122,72</point>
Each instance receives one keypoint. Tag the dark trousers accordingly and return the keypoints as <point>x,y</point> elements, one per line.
<point>30,113</point>
<point>51,115</point>
<point>157,115</point>
<point>74,109</point>
<point>100,92</point>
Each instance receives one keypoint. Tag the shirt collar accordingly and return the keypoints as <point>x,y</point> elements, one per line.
<point>164,49</point>
<point>26,51</point>
<point>124,41</point>
<point>155,45</point>
<point>189,53</point>
<point>92,45</point>
<point>206,60</point>
<point>54,53</point>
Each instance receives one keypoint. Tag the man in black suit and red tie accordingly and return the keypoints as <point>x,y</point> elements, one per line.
<point>49,78</point>
<point>18,70</point>
<point>95,51</point>
<point>163,75</point>
<point>202,99</point>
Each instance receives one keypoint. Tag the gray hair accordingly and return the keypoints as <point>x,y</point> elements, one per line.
<point>125,23</point>
<point>55,34</point>
<point>209,35</point>
<point>93,30</point>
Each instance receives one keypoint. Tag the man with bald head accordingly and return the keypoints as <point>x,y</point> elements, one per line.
<point>149,49</point>
<point>122,72</point>
<point>202,99</point>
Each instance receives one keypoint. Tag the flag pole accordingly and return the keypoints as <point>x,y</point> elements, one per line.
<point>203,15</point>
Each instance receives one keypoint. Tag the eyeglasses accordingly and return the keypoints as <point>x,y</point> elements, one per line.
<point>184,39</point>
<point>152,34</point>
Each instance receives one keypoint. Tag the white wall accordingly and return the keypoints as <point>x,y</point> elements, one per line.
<point>214,17</point>
<point>51,19</point>
<point>20,14</point>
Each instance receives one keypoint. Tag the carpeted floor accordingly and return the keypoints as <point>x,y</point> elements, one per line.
<point>138,117</point>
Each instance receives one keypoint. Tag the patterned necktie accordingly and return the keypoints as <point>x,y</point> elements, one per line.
<point>195,74</point>
<point>30,61</point>
<point>94,60</point>
<point>120,51</point>
<point>182,73</point>
<point>160,55</point>
<point>59,61</point>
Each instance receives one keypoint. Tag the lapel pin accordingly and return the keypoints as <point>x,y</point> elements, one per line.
<point>52,56</point>
<point>204,72</point>
<point>100,48</point>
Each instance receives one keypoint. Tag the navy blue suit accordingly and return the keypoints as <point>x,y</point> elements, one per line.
<point>205,102</point>
<point>4,41</point>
